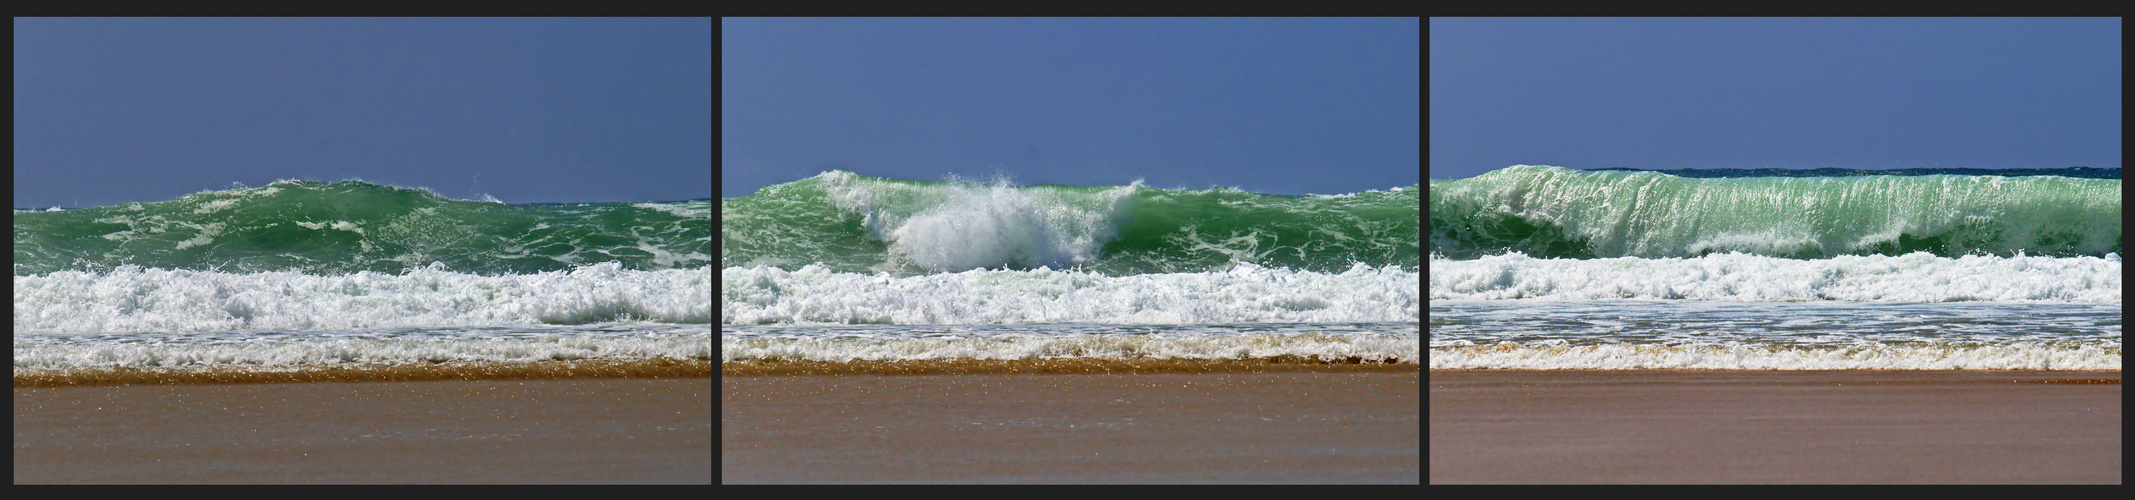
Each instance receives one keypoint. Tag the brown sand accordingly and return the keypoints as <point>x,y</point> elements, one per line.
<point>1064,365</point>
<point>500,431</point>
<point>1730,426</point>
<point>645,368</point>
<point>1236,427</point>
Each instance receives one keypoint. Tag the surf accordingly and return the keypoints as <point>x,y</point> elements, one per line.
<point>852,223</point>
<point>1553,212</point>
<point>1739,277</point>
<point>333,228</point>
<point>1323,342</point>
<point>815,295</point>
<point>135,299</point>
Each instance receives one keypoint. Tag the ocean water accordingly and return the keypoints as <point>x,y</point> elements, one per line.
<point>305,274</point>
<point>842,267</point>
<point>1541,267</point>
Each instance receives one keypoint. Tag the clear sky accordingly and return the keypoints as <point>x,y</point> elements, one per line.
<point>1866,93</point>
<point>111,111</point>
<point>1288,106</point>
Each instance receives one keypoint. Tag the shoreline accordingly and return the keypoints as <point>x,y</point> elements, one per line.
<point>1775,426</point>
<point>1207,427</point>
<point>656,368</point>
<point>1064,366</point>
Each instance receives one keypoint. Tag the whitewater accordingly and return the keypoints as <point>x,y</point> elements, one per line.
<point>1543,267</point>
<point>301,275</point>
<point>843,266</point>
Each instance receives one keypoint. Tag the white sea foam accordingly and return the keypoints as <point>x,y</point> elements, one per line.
<point>133,299</point>
<point>683,210</point>
<point>1245,293</point>
<point>1916,277</point>
<point>217,205</point>
<point>207,235</point>
<point>271,350</point>
<point>975,226</point>
<point>1376,342</point>
<point>1825,335</point>
<point>339,225</point>
<point>1924,356</point>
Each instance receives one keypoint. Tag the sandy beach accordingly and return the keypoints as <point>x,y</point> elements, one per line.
<point>640,369</point>
<point>1753,426</point>
<point>448,431</point>
<point>1354,426</point>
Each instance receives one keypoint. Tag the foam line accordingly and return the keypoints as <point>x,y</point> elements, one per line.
<point>132,299</point>
<point>1245,293</point>
<point>1915,277</point>
<point>648,368</point>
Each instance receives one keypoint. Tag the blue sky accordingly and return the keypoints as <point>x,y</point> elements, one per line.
<point>1773,93</point>
<point>1289,106</point>
<point>527,110</point>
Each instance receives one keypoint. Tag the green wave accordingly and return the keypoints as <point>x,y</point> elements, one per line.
<point>1560,213</point>
<point>853,223</point>
<point>350,226</point>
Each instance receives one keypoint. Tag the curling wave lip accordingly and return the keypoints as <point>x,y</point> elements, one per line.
<point>1552,212</point>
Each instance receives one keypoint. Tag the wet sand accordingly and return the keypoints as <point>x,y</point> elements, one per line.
<point>630,369</point>
<point>1065,366</point>
<point>1743,426</point>
<point>495,431</point>
<point>1227,427</point>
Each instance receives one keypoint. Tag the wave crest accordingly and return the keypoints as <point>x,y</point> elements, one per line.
<point>854,223</point>
<point>1554,212</point>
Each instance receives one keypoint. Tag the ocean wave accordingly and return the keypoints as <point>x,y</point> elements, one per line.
<point>853,223</point>
<point>1708,173</point>
<point>351,226</point>
<point>1544,211</point>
